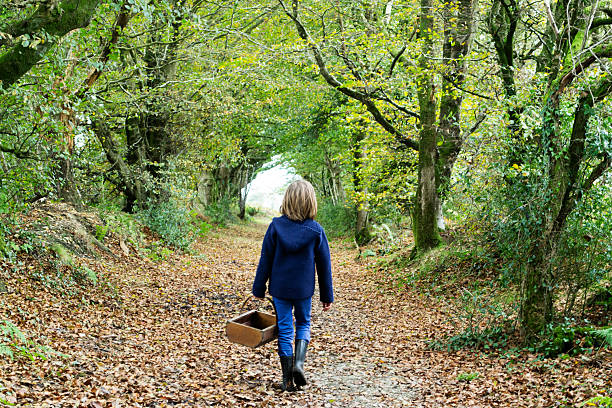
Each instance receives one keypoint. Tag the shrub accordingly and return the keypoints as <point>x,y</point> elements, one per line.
<point>123,224</point>
<point>337,219</point>
<point>252,211</point>
<point>220,212</point>
<point>570,340</point>
<point>171,222</point>
<point>485,321</point>
<point>202,227</point>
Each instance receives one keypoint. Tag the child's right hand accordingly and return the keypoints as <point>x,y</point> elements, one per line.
<point>326,306</point>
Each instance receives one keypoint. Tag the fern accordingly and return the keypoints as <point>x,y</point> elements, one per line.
<point>606,334</point>
<point>10,330</point>
<point>14,342</point>
<point>6,350</point>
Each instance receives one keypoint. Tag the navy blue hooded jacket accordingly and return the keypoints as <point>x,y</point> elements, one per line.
<point>289,254</point>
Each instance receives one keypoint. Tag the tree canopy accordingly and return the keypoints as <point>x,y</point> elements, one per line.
<point>491,119</point>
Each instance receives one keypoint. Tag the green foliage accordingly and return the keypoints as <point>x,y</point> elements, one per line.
<point>13,243</point>
<point>367,253</point>
<point>221,212</point>
<point>14,343</point>
<point>123,224</point>
<point>252,211</point>
<point>7,247</point>
<point>101,232</point>
<point>492,338</point>
<point>158,252</point>
<point>485,321</point>
<point>338,220</point>
<point>83,274</point>
<point>569,339</point>
<point>172,222</point>
<point>467,377</point>
<point>202,227</point>
<point>605,334</point>
<point>599,401</point>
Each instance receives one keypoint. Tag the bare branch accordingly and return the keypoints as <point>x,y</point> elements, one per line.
<point>395,59</point>
<point>597,172</point>
<point>550,17</point>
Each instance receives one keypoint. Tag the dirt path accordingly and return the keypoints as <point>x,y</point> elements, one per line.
<point>160,342</point>
<point>347,365</point>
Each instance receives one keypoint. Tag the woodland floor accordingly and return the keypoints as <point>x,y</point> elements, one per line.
<point>158,340</point>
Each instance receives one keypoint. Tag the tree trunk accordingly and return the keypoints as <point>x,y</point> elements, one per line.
<point>536,294</point>
<point>425,220</point>
<point>56,20</point>
<point>131,184</point>
<point>67,189</point>
<point>458,29</point>
<point>425,225</point>
<point>362,230</point>
<point>243,192</point>
<point>565,192</point>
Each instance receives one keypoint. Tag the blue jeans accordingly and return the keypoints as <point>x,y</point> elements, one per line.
<point>284,319</point>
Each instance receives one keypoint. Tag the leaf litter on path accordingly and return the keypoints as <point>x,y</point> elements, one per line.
<point>160,342</point>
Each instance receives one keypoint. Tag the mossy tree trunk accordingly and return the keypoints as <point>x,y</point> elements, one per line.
<point>441,138</point>
<point>425,228</point>
<point>566,187</point>
<point>362,230</point>
<point>571,44</point>
<point>56,20</point>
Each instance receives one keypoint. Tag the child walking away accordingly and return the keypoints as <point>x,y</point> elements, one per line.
<point>294,247</point>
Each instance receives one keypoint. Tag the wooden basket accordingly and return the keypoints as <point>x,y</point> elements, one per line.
<point>253,328</point>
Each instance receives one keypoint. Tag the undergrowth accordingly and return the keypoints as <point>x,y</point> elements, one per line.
<point>221,212</point>
<point>569,339</point>
<point>338,220</point>
<point>15,344</point>
<point>484,306</point>
<point>172,222</point>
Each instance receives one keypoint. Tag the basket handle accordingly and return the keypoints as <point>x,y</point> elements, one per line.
<point>268,298</point>
<point>248,297</point>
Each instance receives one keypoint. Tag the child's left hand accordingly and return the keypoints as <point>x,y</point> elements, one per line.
<point>326,306</point>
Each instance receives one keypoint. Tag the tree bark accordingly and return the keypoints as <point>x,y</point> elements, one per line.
<point>362,231</point>
<point>54,19</point>
<point>566,191</point>
<point>425,226</point>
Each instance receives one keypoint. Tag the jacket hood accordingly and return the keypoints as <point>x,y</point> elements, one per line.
<point>291,239</point>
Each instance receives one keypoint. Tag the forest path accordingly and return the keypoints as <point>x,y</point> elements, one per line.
<point>156,337</point>
<point>352,359</point>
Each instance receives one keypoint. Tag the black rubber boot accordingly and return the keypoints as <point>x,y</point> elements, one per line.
<point>299,378</point>
<point>287,366</point>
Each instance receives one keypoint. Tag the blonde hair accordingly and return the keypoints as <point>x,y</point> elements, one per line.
<point>300,201</point>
